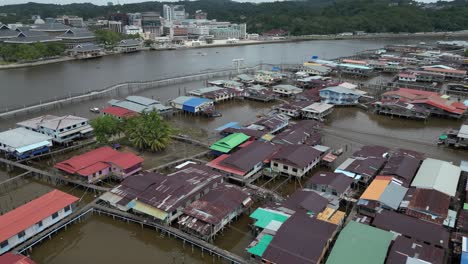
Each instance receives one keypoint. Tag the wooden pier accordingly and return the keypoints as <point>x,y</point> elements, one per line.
<point>44,175</point>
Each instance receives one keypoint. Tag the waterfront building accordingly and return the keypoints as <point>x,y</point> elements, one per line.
<point>286,90</point>
<point>52,29</point>
<point>407,77</point>
<point>295,161</point>
<point>298,133</point>
<point>10,258</point>
<point>26,221</point>
<point>331,183</point>
<point>245,163</point>
<point>22,143</point>
<point>267,77</point>
<point>164,197</point>
<point>413,228</point>
<point>118,112</point>
<point>210,214</point>
<point>317,111</point>
<point>383,192</point>
<point>140,104</point>
<point>361,169</point>
<point>448,73</point>
<point>86,51</point>
<point>129,45</point>
<point>29,37</point>
<point>76,36</point>
<point>174,12</point>
<point>359,243</point>
<point>438,175</point>
<point>293,109</point>
<point>427,76</point>
<point>316,70</point>
<point>401,109</point>
<point>338,95</point>
<point>231,31</point>
<point>7,33</point>
<point>72,21</point>
<point>191,104</point>
<point>134,19</point>
<point>62,129</point>
<point>115,26</point>
<point>101,163</point>
<point>259,93</point>
<point>402,167</point>
<point>271,124</point>
<point>215,93</point>
<point>132,30</point>
<point>354,69</point>
<point>229,143</point>
<point>428,205</point>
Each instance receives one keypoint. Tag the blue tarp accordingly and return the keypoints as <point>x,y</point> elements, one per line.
<point>191,104</point>
<point>228,125</point>
<point>464,258</point>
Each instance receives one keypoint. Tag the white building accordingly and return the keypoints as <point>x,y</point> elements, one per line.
<point>174,12</point>
<point>317,111</point>
<point>62,129</point>
<point>132,30</point>
<point>115,26</point>
<point>286,89</point>
<point>23,143</point>
<point>295,160</point>
<point>438,175</point>
<point>28,220</point>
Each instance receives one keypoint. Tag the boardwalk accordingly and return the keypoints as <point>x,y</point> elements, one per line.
<point>54,178</point>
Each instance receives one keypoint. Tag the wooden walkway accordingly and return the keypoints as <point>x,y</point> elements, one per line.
<point>55,178</point>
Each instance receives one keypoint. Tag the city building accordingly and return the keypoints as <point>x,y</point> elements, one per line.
<point>86,51</point>
<point>75,36</point>
<point>101,163</point>
<point>359,243</point>
<point>231,31</point>
<point>120,17</point>
<point>210,214</point>
<point>21,143</point>
<point>295,161</point>
<point>174,12</point>
<point>26,221</point>
<point>52,29</point>
<point>115,26</point>
<point>72,21</point>
<point>200,15</point>
<point>151,23</point>
<point>164,197</point>
<point>134,19</point>
<point>140,104</point>
<point>62,129</point>
<point>7,33</point>
<point>129,45</point>
<point>132,30</point>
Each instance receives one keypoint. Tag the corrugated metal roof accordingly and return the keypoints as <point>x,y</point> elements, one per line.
<point>358,243</point>
<point>34,146</point>
<point>261,246</point>
<point>148,209</point>
<point>181,99</point>
<point>265,216</point>
<point>141,100</point>
<point>438,175</point>
<point>195,102</point>
<point>226,144</point>
<point>21,137</point>
<point>393,195</point>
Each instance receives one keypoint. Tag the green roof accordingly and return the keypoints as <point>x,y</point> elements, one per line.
<point>358,243</point>
<point>228,143</point>
<point>465,206</point>
<point>261,246</point>
<point>265,216</point>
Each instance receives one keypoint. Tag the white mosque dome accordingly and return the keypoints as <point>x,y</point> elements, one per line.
<point>39,21</point>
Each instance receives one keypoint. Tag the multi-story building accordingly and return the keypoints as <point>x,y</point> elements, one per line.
<point>238,31</point>
<point>338,95</point>
<point>122,17</point>
<point>151,23</point>
<point>115,26</point>
<point>134,19</point>
<point>73,21</point>
<point>200,15</point>
<point>174,12</point>
<point>132,30</point>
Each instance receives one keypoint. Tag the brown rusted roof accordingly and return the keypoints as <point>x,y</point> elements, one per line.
<point>298,133</point>
<point>430,201</point>
<point>298,156</point>
<point>246,158</point>
<point>168,192</point>
<point>366,166</point>
<point>371,151</point>
<point>412,227</point>
<point>217,204</point>
<point>403,167</point>
<point>337,181</point>
<point>249,132</point>
<point>308,200</point>
<point>301,239</point>
<point>404,248</point>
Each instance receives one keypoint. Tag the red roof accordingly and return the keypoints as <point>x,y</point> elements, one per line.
<point>97,160</point>
<point>433,69</point>
<point>29,214</point>
<point>119,112</point>
<point>10,258</point>
<point>216,163</point>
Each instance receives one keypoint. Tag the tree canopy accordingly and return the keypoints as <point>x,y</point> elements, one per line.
<point>105,128</point>
<point>30,52</point>
<point>298,17</point>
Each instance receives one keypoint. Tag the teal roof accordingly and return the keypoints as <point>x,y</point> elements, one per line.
<point>265,216</point>
<point>261,246</point>
<point>228,143</point>
<point>363,244</point>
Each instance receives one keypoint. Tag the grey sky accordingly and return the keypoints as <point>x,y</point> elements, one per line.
<point>104,2</point>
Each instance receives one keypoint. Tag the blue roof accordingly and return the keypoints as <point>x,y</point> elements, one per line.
<point>464,258</point>
<point>33,146</point>
<point>194,102</point>
<point>228,125</point>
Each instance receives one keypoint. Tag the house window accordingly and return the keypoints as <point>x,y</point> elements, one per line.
<point>39,224</point>
<point>21,234</point>
<point>66,209</point>
<point>4,244</point>
<point>285,167</point>
<point>55,215</point>
<point>294,170</point>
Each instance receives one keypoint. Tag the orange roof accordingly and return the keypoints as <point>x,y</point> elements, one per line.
<point>331,216</point>
<point>29,214</point>
<point>376,188</point>
<point>355,61</point>
<point>445,70</point>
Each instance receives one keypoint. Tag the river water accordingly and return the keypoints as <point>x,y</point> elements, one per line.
<point>103,240</point>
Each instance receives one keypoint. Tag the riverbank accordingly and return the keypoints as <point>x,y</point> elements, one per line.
<point>290,39</point>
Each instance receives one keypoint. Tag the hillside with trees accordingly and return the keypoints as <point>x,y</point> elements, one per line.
<point>297,17</point>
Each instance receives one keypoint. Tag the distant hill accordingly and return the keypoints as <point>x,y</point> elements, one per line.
<point>297,17</point>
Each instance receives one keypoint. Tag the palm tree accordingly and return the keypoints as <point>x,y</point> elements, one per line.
<point>149,131</point>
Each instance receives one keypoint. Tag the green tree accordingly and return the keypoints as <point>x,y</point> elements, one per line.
<point>149,131</point>
<point>106,127</point>
<point>107,37</point>
<point>148,42</point>
<point>466,53</point>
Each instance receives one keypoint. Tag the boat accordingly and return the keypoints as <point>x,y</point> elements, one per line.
<point>95,110</point>
<point>338,152</point>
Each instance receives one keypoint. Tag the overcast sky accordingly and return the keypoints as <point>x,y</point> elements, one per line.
<point>104,2</point>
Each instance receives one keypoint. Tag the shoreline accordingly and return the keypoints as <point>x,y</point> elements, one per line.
<point>292,39</point>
